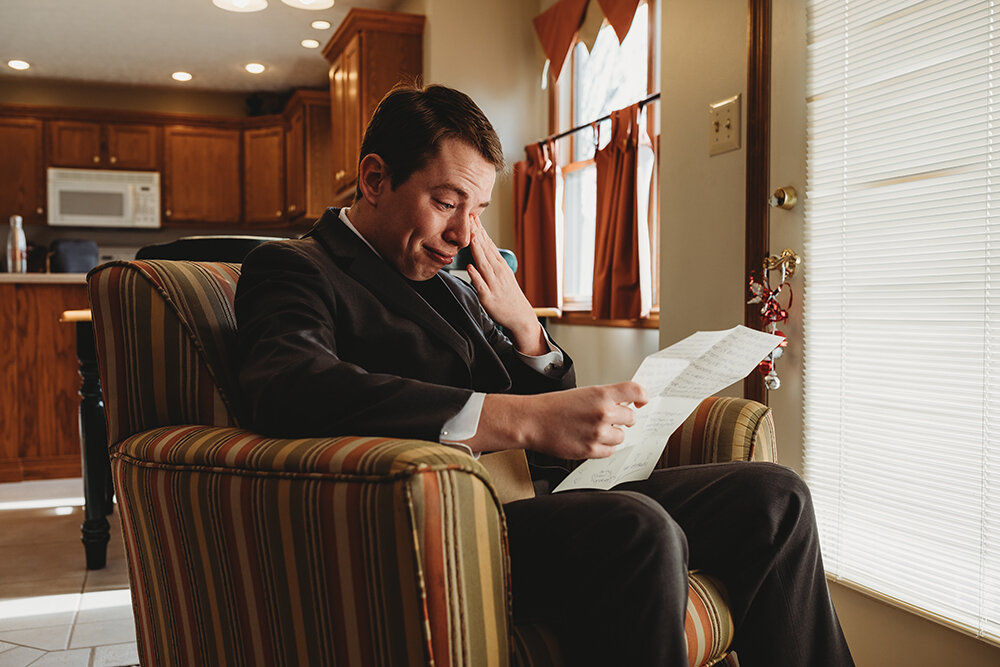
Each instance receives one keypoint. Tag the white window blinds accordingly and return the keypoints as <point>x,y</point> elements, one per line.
<point>902,302</point>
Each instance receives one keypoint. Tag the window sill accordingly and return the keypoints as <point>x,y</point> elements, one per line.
<point>585,318</point>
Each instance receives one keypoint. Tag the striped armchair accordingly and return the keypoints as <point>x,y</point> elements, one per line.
<point>246,550</point>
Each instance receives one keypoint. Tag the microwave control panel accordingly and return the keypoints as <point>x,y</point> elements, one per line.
<point>147,205</point>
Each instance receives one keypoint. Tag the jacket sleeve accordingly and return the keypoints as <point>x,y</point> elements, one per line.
<point>294,382</point>
<point>524,378</point>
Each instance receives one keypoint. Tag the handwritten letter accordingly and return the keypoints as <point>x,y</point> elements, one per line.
<point>677,379</point>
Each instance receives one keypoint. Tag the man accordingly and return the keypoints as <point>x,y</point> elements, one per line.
<point>354,330</point>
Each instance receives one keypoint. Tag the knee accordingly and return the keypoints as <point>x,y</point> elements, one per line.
<point>778,495</point>
<point>646,530</point>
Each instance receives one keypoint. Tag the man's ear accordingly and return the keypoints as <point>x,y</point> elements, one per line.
<point>373,178</point>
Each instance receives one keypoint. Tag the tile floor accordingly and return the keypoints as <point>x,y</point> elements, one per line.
<point>53,611</point>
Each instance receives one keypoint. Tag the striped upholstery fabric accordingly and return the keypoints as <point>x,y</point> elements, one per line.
<point>351,551</point>
<point>722,429</point>
<point>163,338</point>
<point>245,550</point>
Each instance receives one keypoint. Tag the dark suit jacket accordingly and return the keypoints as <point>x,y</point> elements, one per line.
<point>335,341</point>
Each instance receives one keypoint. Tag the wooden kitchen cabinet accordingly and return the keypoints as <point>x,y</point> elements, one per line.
<point>371,52</point>
<point>309,185</point>
<point>264,175</point>
<point>39,381</point>
<point>22,172</point>
<point>85,144</point>
<point>201,175</point>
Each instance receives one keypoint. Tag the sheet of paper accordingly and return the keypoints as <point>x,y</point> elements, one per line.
<point>677,380</point>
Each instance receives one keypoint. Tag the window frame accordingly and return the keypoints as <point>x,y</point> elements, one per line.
<point>560,98</point>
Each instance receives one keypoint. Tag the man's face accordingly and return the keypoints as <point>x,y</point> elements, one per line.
<point>424,222</point>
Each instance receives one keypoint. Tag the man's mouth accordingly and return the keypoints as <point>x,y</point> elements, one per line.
<point>439,257</point>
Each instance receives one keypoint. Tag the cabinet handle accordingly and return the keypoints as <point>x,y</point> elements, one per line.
<point>113,159</point>
<point>97,158</point>
<point>168,213</point>
<point>340,174</point>
<point>291,209</point>
<point>39,210</point>
<point>277,214</point>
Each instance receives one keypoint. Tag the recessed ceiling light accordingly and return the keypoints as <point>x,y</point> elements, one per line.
<point>309,4</point>
<point>241,5</point>
<point>17,64</point>
<point>181,76</point>
<point>310,43</point>
<point>254,68</point>
<point>321,25</point>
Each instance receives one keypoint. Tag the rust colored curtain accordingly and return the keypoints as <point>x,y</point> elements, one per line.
<point>621,254</point>
<point>536,227</point>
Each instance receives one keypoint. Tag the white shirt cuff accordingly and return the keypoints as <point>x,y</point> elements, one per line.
<point>549,363</point>
<point>464,425</point>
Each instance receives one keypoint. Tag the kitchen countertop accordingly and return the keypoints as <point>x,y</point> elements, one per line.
<point>43,278</point>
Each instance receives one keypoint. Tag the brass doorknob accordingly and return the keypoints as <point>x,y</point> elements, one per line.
<point>783,197</point>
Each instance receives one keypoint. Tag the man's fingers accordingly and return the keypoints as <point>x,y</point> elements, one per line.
<point>629,392</point>
<point>623,415</point>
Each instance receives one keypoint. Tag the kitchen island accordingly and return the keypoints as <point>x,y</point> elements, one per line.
<point>39,375</point>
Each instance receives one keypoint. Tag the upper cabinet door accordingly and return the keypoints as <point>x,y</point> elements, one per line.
<point>83,144</point>
<point>263,176</point>
<point>201,175</point>
<point>22,170</point>
<point>133,147</point>
<point>371,51</point>
<point>74,143</point>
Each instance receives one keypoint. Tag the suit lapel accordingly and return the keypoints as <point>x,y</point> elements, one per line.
<point>358,260</point>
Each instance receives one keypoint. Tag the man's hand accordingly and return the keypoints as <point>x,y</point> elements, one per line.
<point>500,294</point>
<point>582,423</point>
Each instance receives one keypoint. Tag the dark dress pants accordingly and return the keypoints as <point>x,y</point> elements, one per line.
<point>609,569</point>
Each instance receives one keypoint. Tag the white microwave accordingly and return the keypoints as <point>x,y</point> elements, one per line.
<point>103,198</point>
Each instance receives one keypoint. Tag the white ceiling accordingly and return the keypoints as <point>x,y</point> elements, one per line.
<point>145,41</point>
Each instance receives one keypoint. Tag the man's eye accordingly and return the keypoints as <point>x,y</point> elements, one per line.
<point>445,205</point>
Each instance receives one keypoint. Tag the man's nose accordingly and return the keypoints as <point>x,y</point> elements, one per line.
<point>459,231</point>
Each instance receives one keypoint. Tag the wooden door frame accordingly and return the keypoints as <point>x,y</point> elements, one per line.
<point>758,165</point>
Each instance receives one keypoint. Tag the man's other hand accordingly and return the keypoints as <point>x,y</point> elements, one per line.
<point>582,423</point>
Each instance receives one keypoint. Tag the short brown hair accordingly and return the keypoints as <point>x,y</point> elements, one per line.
<point>411,121</point>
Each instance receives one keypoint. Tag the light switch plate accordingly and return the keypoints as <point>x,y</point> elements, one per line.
<point>724,125</point>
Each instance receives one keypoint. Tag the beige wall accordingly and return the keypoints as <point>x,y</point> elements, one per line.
<point>602,355</point>
<point>701,205</point>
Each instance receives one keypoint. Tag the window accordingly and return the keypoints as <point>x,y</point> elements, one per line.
<point>902,304</point>
<point>593,84</point>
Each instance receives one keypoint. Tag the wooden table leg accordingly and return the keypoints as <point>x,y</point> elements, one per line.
<point>97,488</point>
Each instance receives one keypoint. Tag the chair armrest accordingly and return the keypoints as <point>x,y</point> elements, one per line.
<point>722,429</point>
<point>392,551</point>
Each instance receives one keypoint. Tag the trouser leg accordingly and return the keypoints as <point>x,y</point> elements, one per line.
<point>752,526</point>
<point>608,569</point>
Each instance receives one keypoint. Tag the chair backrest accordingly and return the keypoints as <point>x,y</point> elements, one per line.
<point>165,334</point>
<point>217,248</point>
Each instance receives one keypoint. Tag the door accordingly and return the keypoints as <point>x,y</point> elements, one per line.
<point>74,143</point>
<point>22,174</point>
<point>263,176</point>
<point>201,175</point>
<point>133,147</point>
<point>788,168</point>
